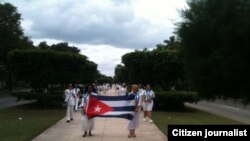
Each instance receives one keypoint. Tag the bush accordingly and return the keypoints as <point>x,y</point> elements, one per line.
<point>50,99</point>
<point>173,101</point>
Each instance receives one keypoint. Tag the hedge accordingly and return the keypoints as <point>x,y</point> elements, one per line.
<point>164,101</point>
<point>173,101</point>
<point>50,99</point>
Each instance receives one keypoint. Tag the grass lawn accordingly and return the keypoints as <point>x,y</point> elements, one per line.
<point>33,122</point>
<point>189,116</point>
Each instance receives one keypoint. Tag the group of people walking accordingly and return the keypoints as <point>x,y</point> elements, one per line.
<point>73,98</point>
<point>143,102</point>
<point>147,95</point>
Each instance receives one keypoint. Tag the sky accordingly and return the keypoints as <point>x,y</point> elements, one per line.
<point>103,30</point>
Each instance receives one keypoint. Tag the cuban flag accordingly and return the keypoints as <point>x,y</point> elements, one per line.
<point>111,106</point>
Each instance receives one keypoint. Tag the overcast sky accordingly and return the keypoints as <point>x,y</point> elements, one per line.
<point>104,30</point>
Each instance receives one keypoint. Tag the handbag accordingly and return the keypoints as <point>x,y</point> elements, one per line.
<point>64,104</point>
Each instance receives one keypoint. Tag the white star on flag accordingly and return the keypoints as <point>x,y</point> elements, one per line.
<point>97,108</point>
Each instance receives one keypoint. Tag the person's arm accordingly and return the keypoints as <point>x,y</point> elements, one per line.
<point>143,96</point>
<point>73,94</point>
<point>66,95</point>
<point>153,95</point>
<point>84,104</point>
<point>138,104</point>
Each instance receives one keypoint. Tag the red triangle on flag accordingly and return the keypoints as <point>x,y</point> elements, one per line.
<point>97,107</point>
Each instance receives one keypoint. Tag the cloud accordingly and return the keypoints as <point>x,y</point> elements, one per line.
<point>163,12</point>
<point>98,22</point>
<point>106,56</point>
<point>104,30</point>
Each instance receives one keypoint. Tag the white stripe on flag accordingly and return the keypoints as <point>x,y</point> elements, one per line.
<point>121,103</point>
<point>118,113</point>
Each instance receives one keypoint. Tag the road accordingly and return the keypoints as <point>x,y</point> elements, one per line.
<point>10,101</point>
<point>235,113</point>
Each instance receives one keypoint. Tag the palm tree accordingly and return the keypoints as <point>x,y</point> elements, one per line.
<point>172,43</point>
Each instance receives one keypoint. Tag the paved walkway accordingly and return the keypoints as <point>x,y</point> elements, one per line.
<point>235,113</point>
<point>106,129</point>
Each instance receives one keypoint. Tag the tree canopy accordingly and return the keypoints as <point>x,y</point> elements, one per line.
<point>170,44</point>
<point>42,67</point>
<point>62,47</point>
<point>102,79</point>
<point>157,67</point>
<point>11,37</point>
<point>215,47</point>
<point>11,33</point>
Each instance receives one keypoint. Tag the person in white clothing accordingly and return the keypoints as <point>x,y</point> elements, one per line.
<point>70,97</point>
<point>148,103</point>
<point>77,91</point>
<point>134,123</point>
<point>122,90</point>
<point>140,89</point>
<point>88,123</point>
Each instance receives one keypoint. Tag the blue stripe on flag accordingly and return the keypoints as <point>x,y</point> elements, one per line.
<point>115,98</point>
<point>126,116</point>
<point>126,108</point>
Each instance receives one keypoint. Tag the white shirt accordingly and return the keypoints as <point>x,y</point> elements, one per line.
<point>122,91</point>
<point>70,96</point>
<point>85,100</point>
<point>149,94</point>
<point>77,90</point>
<point>141,91</point>
<point>138,98</point>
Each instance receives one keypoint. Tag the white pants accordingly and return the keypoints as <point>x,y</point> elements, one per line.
<point>77,101</point>
<point>147,106</point>
<point>87,124</point>
<point>69,113</point>
<point>134,123</point>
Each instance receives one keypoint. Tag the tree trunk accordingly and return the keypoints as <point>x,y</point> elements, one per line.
<point>9,81</point>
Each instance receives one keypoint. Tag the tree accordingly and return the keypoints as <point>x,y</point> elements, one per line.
<point>11,34</point>
<point>40,68</point>
<point>158,67</point>
<point>167,69</point>
<point>64,47</point>
<point>90,73</point>
<point>121,74</point>
<point>102,79</point>
<point>3,73</point>
<point>61,47</point>
<point>170,44</point>
<point>215,47</point>
<point>43,45</point>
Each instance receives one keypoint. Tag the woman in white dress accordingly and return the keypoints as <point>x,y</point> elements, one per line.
<point>70,97</point>
<point>148,103</point>
<point>134,123</point>
<point>88,124</point>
